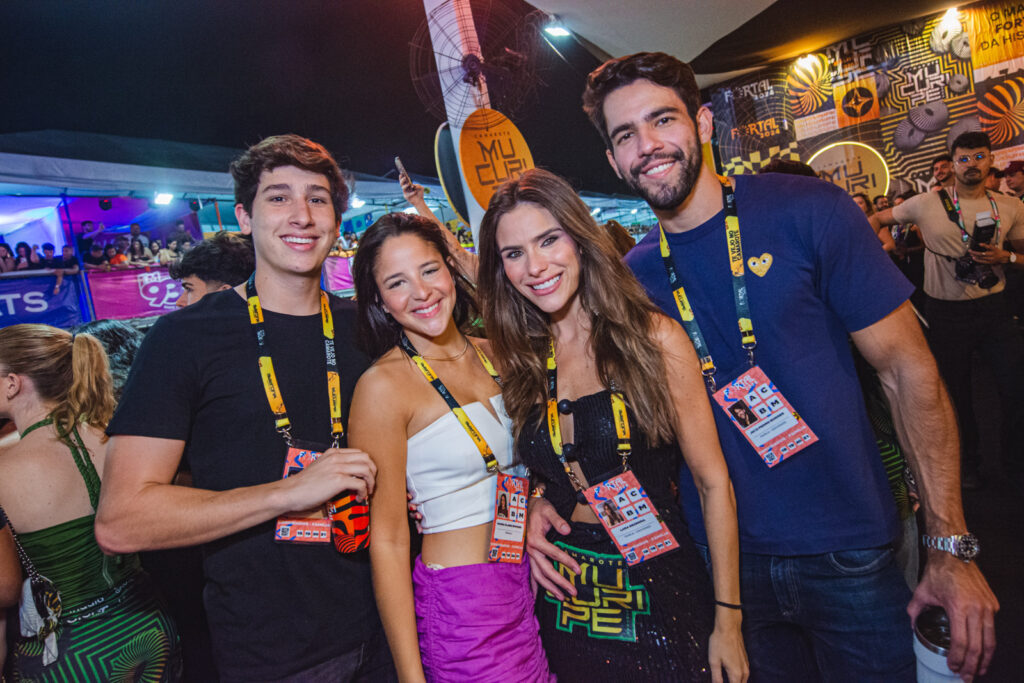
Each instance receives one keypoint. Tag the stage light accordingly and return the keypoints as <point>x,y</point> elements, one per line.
<point>950,22</point>
<point>634,211</point>
<point>806,62</point>
<point>105,204</point>
<point>596,210</point>
<point>411,209</point>
<point>163,198</point>
<point>555,28</point>
<point>194,205</point>
<point>356,202</point>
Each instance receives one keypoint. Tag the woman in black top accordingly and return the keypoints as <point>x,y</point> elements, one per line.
<point>25,257</point>
<point>553,288</point>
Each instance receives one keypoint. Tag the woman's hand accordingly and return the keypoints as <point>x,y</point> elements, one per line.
<point>725,648</point>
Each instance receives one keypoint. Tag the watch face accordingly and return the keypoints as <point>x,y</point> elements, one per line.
<point>967,547</point>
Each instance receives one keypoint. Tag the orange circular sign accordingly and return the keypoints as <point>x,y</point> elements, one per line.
<point>491,151</point>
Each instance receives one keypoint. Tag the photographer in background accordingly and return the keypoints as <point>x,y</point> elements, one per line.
<point>966,229</point>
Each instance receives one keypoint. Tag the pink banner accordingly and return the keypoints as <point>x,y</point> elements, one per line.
<point>338,273</point>
<point>133,293</point>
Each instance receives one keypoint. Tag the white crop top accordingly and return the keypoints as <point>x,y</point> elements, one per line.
<point>446,474</point>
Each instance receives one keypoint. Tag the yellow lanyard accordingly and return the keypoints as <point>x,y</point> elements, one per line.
<point>270,385</point>
<point>619,414</point>
<point>478,439</point>
<point>739,287</point>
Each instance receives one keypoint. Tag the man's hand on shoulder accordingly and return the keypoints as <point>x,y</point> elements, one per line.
<point>962,591</point>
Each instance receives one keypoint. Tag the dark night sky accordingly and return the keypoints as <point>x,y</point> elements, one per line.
<point>229,73</point>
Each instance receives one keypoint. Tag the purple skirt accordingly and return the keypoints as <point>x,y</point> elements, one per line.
<point>476,623</point>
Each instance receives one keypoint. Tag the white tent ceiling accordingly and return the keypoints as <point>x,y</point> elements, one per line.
<point>686,28</point>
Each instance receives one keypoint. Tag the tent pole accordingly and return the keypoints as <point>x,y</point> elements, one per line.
<point>84,295</point>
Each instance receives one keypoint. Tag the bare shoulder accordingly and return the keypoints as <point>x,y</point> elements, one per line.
<point>385,372</point>
<point>668,332</point>
<point>387,382</point>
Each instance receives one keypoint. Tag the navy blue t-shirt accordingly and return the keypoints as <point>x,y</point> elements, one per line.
<point>826,276</point>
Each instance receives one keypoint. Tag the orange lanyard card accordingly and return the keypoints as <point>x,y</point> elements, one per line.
<point>630,518</point>
<point>759,410</point>
<point>312,526</point>
<point>508,532</point>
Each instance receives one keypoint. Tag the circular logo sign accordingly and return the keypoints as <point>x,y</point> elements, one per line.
<point>853,166</point>
<point>491,151</point>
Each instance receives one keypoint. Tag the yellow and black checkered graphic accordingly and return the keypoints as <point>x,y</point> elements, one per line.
<point>755,161</point>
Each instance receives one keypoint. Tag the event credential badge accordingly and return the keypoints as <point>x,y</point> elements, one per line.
<point>311,526</point>
<point>509,529</point>
<point>764,416</point>
<point>629,518</point>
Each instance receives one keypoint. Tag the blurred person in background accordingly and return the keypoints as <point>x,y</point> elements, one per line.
<point>6,258</point>
<point>26,257</point>
<point>221,262</point>
<point>138,254</point>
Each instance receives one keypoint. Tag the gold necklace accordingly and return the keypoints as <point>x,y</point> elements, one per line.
<point>457,356</point>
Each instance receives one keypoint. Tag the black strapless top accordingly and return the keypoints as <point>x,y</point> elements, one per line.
<point>594,447</point>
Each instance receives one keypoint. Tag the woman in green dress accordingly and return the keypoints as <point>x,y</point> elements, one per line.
<point>57,389</point>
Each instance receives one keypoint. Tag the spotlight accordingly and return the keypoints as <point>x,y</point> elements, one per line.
<point>556,28</point>
<point>634,211</point>
<point>596,210</point>
<point>356,202</point>
<point>411,209</point>
<point>105,204</point>
<point>163,198</point>
<point>194,205</point>
<point>951,22</point>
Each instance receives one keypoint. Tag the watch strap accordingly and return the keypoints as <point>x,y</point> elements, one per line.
<point>951,545</point>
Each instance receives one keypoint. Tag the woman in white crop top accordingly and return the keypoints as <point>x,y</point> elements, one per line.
<point>454,615</point>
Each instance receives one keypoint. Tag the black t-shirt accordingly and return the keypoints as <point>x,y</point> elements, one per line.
<point>69,263</point>
<point>274,609</point>
<point>94,260</point>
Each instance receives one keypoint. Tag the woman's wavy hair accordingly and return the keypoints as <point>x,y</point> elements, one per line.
<point>70,372</point>
<point>378,332</point>
<point>622,319</point>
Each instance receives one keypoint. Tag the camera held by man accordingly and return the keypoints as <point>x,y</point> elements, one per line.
<point>967,269</point>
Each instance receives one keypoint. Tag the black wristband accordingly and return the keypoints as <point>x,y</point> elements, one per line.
<point>728,604</point>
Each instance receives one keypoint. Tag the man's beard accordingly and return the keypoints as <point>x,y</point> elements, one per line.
<point>975,177</point>
<point>667,197</point>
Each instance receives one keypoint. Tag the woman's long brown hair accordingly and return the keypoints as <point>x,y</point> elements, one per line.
<point>622,318</point>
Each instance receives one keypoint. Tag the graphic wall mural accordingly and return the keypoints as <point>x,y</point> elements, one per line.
<point>906,91</point>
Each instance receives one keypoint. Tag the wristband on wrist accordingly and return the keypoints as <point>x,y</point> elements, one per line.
<point>728,604</point>
<point>1013,257</point>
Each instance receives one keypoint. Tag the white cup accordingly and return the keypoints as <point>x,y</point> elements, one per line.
<point>931,664</point>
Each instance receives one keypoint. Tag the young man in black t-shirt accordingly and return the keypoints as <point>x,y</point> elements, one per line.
<point>277,611</point>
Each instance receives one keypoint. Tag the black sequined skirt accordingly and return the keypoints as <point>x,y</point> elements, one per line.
<point>649,622</point>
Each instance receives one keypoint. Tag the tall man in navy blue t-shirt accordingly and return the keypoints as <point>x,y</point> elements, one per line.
<point>822,596</point>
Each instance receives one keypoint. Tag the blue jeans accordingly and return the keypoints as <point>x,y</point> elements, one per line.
<point>840,616</point>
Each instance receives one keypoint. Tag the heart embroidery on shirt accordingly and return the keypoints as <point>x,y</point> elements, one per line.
<point>760,264</point>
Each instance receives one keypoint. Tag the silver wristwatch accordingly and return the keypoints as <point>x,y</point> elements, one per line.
<point>961,546</point>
